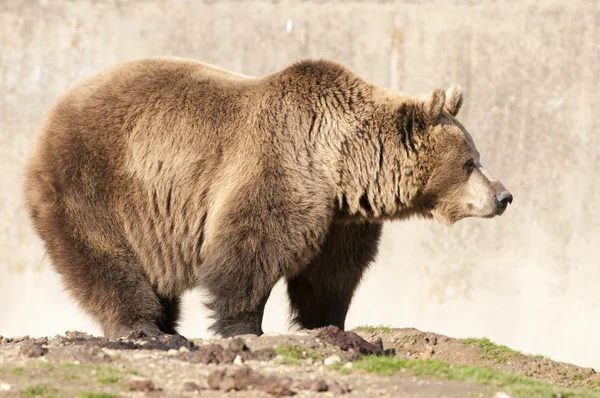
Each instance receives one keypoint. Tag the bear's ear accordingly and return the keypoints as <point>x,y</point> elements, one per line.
<point>454,99</point>
<point>433,105</point>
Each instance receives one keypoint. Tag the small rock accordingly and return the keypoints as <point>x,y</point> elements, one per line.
<point>378,343</point>
<point>141,385</point>
<point>190,386</point>
<point>318,385</point>
<point>54,341</point>
<point>111,353</point>
<point>215,378</point>
<point>238,360</point>
<point>347,340</point>
<point>172,352</point>
<point>332,359</point>
<point>278,388</point>
<point>184,349</point>
<point>265,354</point>
<point>431,339</point>
<point>338,387</point>
<point>41,341</point>
<point>4,386</point>
<point>237,344</point>
<point>227,384</point>
<point>33,350</point>
<point>304,384</point>
<point>244,377</point>
<point>390,352</point>
<point>427,354</point>
<point>351,356</point>
<point>348,365</point>
<point>501,394</point>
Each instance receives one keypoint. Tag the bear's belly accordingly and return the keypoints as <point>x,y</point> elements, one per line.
<point>166,243</point>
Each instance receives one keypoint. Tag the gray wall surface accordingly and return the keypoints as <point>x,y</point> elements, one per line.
<point>530,72</point>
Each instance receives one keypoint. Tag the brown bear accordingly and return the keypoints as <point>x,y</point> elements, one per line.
<point>163,174</point>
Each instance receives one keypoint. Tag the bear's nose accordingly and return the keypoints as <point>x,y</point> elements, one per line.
<point>504,198</point>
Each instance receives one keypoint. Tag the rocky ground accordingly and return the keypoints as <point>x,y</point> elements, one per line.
<point>367,362</point>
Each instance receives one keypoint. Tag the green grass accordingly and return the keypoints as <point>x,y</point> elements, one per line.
<point>39,390</point>
<point>109,376</point>
<point>372,329</point>
<point>69,376</point>
<point>339,366</point>
<point>87,394</point>
<point>433,368</point>
<point>40,365</point>
<point>496,352</point>
<point>290,361</point>
<point>17,371</point>
<point>297,352</point>
<point>133,372</point>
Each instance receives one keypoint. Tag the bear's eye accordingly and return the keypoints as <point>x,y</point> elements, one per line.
<point>469,166</point>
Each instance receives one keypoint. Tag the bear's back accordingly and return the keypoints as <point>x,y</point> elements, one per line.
<point>128,136</point>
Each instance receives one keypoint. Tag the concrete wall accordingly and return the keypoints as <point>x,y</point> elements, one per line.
<point>529,70</point>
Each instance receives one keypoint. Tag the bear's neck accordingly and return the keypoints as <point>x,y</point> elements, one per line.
<point>349,125</point>
<point>377,180</point>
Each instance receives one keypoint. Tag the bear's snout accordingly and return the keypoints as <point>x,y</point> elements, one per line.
<point>502,201</point>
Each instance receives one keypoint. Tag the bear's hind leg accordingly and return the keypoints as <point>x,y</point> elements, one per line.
<point>321,293</point>
<point>111,287</point>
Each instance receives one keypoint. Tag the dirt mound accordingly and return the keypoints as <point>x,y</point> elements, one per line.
<point>414,344</point>
<point>370,361</point>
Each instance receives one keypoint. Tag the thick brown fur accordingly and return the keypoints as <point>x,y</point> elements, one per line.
<point>163,174</point>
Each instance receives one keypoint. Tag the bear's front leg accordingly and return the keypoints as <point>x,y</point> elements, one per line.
<point>230,323</point>
<point>253,239</point>
<point>320,294</point>
<point>239,274</point>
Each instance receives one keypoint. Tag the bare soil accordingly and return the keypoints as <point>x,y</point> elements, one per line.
<point>324,363</point>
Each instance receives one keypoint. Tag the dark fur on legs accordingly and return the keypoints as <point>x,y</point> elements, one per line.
<point>239,293</point>
<point>321,293</point>
<point>249,322</point>
<point>259,239</point>
<point>239,286</point>
<point>170,315</point>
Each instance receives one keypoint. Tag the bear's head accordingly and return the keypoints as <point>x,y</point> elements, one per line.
<point>454,183</point>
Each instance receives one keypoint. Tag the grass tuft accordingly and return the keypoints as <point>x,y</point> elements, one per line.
<point>87,394</point>
<point>339,366</point>
<point>109,376</point>
<point>298,352</point>
<point>373,329</point>
<point>38,390</point>
<point>290,361</point>
<point>437,369</point>
<point>496,352</point>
